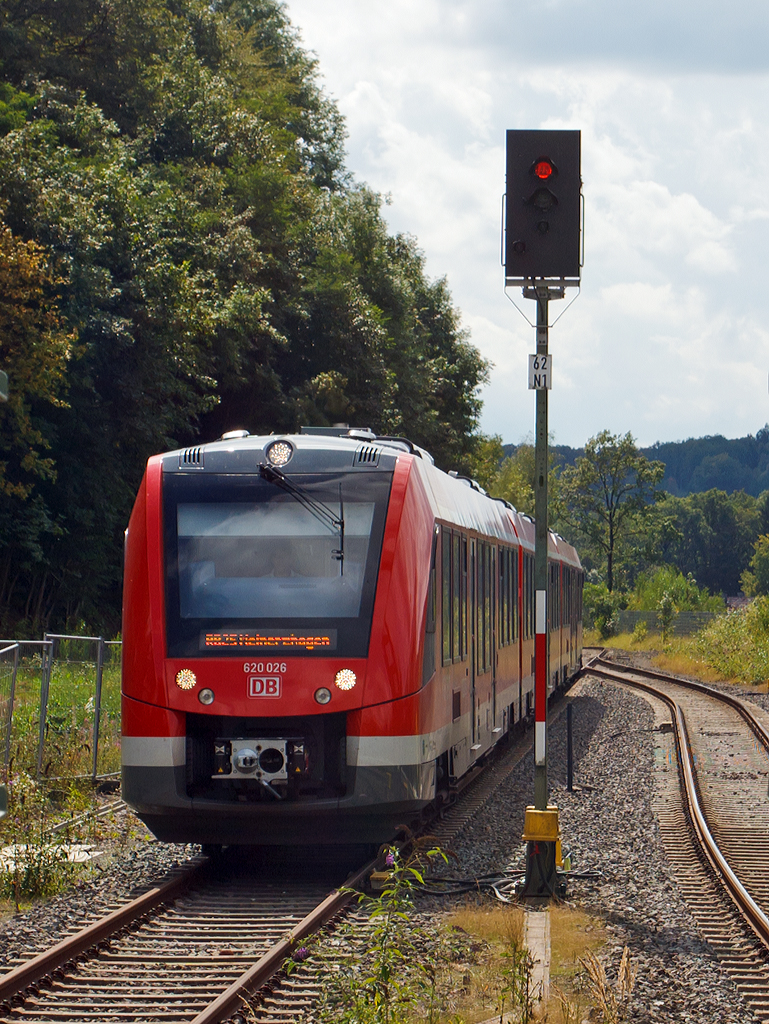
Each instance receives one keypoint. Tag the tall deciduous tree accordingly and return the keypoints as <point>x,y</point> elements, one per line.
<point>180,164</point>
<point>606,491</point>
<point>755,580</point>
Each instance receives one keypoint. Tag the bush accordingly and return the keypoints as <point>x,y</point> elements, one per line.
<point>640,632</point>
<point>737,644</point>
<point>665,582</point>
<point>600,608</point>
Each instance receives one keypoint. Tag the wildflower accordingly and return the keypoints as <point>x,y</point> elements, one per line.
<point>390,859</point>
<point>301,954</point>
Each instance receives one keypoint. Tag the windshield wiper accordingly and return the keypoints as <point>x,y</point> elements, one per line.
<point>322,512</point>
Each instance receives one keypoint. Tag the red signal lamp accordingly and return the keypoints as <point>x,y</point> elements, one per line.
<point>543,168</point>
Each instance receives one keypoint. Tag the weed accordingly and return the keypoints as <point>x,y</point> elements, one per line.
<point>612,1001</point>
<point>33,864</point>
<point>640,632</point>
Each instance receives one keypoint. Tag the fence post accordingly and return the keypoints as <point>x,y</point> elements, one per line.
<point>9,723</point>
<point>45,686</point>
<point>97,706</point>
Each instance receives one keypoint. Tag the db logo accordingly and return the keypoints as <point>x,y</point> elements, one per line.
<point>264,686</point>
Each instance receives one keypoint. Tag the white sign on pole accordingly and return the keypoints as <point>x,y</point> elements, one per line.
<point>540,369</point>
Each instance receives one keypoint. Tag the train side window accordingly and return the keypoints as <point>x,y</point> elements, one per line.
<point>432,590</point>
<point>456,583</point>
<point>524,600</point>
<point>484,607</point>
<point>478,606</point>
<point>502,605</point>
<point>490,574</point>
<point>506,605</point>
<point>446,595</point>
<point>514,592</point>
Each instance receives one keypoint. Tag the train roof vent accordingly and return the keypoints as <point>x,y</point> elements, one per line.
<point>191,458</point>
<point>367,455</point>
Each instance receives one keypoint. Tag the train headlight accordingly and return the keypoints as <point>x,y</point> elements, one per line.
<point>323,696</point>
<point>186,679</point>
<point>206,696</point>
<point>346,679</point>
<point>279,453</point>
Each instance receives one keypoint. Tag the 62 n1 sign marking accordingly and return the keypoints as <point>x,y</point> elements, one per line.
<point>540,369</point>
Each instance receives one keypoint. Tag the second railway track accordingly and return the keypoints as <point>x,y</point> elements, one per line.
<point>715,826</point>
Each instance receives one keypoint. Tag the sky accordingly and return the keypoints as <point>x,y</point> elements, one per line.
<point>668,337</point>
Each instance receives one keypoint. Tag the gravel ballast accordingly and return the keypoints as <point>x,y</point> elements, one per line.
<point>610,825</point>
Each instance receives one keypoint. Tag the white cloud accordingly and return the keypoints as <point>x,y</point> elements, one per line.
<point>666,338</point>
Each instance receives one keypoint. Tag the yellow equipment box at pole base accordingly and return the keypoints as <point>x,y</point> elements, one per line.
<point>541,826</point>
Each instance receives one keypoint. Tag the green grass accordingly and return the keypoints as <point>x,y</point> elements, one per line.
<point>728,651</point>
<point>69,733</point>
<point>62,795</point>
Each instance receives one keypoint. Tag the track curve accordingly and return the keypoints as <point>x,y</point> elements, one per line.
<point>717,835</point>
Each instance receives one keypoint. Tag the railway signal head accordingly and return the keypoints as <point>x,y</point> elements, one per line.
<point>542,222</point>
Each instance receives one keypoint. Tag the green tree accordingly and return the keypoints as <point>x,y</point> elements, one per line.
<point>182,169</point>
<point>755,580</point>
<point>35,349</point>
<point>708,535</point>
<point>653,583</point>
<point>516,478</point>
<point>606,493</point>
<point>485,461</point>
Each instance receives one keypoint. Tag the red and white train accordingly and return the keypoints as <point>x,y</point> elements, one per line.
<point>322,634</point>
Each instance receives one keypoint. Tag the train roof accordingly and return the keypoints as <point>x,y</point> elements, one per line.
<point>455,500</point>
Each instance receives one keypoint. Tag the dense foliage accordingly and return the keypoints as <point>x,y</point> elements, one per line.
<point>630,533</point>
<point>655,583</point>
<point>183,253</point>
<point>737,644</point>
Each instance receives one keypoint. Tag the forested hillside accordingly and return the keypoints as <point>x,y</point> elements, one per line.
<point>700,463</point>
<point>183,252</point>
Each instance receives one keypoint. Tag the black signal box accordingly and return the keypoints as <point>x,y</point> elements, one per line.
<point>543,204</point>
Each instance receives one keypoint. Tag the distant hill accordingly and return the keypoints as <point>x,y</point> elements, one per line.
<point>702,463</point>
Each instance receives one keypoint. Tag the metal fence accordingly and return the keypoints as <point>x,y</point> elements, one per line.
<point>37,661</point>
<point>683,624</point>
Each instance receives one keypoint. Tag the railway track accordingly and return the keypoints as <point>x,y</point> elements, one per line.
<point>198,946</point>
<point>713,810</point>
<point>189,950</point>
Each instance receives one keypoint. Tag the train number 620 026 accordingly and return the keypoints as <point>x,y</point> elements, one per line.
<point>264,666</point>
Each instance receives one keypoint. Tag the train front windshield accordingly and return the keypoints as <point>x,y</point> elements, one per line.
<point>251,567</point>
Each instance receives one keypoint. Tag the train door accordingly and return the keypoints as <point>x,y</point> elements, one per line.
<point>473,620</point>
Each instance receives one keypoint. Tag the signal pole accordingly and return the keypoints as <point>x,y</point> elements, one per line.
<point>543,254</point>
<point>541,645</point>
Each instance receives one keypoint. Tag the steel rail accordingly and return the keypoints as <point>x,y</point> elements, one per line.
<point>268,964</point>
<point>755,916</point>
<point>725,698</point>
<point>48,962</point>
<point>26,974</point>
